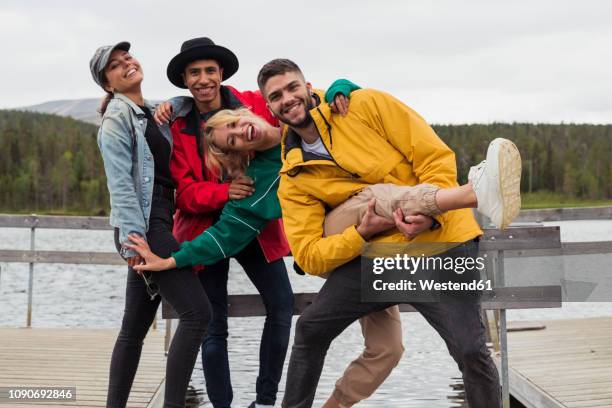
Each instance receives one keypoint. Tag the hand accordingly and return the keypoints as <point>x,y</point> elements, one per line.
<point>134,260</point>
<point>340,104</point>
<point>153,262</point>
<point>411,225</point>
<point>163,113</point>
<point>241,188</point>
<point>372,223</point>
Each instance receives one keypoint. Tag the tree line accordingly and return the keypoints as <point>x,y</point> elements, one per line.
<point>52,164</point>
<point>569,159</point>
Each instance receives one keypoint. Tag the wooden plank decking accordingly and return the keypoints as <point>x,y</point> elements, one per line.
<point>75,358</point>
<point>568,364</point>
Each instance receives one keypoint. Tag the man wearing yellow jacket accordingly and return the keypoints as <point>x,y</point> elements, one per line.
<point>326,160</point>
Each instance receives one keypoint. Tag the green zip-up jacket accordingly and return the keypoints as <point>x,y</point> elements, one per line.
<point>241,220</point>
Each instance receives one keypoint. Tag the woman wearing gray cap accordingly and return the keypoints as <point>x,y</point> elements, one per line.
<point>136,154</point>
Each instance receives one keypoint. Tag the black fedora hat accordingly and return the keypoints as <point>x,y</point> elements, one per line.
<point>197,49</point>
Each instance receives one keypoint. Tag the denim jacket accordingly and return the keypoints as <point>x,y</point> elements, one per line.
<point>129,166</point>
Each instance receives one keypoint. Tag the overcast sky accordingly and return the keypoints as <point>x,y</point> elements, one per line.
<point>453,61</point>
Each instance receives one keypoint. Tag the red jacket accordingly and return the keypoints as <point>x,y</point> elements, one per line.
<point>199,197</point>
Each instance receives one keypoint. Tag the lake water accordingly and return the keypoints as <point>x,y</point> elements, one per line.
<point>93,296</point>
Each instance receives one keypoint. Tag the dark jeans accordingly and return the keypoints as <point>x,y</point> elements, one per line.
<point>181,289</point>
<point>272,282</point>
<point>338,305</point>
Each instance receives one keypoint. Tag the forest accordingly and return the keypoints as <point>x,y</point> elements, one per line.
<point>51,164</point>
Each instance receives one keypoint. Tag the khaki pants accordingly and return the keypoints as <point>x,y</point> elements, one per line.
<point>382,333</point>
<point>382,330</point>
<point>419,199</point>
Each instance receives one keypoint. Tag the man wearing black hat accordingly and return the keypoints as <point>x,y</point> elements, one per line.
<point>201,66</point>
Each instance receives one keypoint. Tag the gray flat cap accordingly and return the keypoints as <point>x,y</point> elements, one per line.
<point>98,62</point>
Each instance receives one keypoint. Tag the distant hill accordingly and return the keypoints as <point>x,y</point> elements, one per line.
<point>80,109</point>
<point>85,110</point>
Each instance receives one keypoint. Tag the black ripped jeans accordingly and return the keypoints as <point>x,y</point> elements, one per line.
<point>182,289</point>
<point>338,304</point>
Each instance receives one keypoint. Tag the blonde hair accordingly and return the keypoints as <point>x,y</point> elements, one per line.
<point>219,161</point>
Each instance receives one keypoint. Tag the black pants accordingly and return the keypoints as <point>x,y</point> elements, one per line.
<point>182,289</point>
<point>273,285</point>
<point>338,304</point>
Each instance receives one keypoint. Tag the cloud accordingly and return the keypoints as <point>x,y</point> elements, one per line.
<point>452,61</point>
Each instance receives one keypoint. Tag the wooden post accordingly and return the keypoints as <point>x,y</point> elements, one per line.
<point>31,274</point>
<point>492,320</point>
<point>168,336</point>
<point>503,334</point>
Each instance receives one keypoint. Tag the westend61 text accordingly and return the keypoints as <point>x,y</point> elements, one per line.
<point>432,285</point>
<point>413,263</point>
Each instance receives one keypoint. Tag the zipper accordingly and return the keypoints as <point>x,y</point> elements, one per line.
<point>331,145</point>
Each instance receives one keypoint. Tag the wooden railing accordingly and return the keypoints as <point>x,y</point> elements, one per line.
<point>513,242</point>
<point>566,214</point>
<point>516,249</point>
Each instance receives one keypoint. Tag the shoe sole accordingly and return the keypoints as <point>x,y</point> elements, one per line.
<point>509,161</point>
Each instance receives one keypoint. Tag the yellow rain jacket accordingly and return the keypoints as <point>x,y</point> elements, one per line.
<point>381,140</point>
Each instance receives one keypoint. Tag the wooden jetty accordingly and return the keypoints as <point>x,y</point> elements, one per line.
<point>566,365</point>
<point>547,368</point>
<point>75,358</point>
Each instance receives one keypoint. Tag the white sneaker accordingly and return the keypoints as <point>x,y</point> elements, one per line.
<point>497,183</point>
